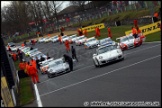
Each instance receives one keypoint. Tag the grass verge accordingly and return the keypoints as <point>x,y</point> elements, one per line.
<point>26,93</point>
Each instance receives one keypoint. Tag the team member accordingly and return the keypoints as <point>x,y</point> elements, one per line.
<point>33,74</point>
<point>33,62</point>
<point>97,31</point>
<point>69,60</point>
<point>85,32</point>
<point>134,32</point>
<point>73,53</point>
<point>27,68</point>
<point>37,63</point>
<point>109,32</point>
<point>67,45</point>
<point>60,38</point>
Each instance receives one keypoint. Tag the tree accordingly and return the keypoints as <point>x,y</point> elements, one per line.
<point>81,4</point>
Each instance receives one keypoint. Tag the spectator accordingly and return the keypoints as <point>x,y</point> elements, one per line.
<point>67,45</point>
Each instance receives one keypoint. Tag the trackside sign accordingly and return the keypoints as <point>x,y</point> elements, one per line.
<point>148,29</point>
<point>92,28</point>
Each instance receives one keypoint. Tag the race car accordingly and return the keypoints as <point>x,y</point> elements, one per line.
<point>59,66</point>
<point>39,56</point>
<point>34,53</point>
<point>44,66</point>
<point>106,54</point>
<point>106,41</point>
<point>80,40</point>
<point>72,38</point>
<point>55,39</point>
<point>63,38</point>
<point>91,43</point>
<point>47,39</point>
<point>13,46</point>
<point>31,51</point>
<point>127,42</point>
<point>41,40</point>
<point>26,50</point>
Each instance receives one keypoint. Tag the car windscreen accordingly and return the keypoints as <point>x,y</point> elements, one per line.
<point>12,45</point>
<point>123,39</point>
<point>105,49</point>
<point>91,40</point>
<point>130,37</point>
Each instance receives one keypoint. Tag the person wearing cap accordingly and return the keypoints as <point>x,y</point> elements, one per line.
<point>33,73</point>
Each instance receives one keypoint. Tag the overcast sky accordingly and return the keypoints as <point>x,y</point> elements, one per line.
<point>4,3</point>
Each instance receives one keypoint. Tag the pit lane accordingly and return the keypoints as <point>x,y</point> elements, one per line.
<point>139,81</point>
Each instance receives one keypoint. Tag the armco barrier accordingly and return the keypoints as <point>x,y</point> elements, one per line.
<point>148,29</point>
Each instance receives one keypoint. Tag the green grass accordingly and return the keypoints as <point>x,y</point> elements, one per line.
<point>120,31</point>
<point>26,93</point>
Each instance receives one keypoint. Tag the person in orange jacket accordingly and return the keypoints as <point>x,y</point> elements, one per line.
<point>67,45</point>
<point>33,62</point>
<point>14,56</point>
<point>9,49</point>
<point>109,32</point>
<point>22,44</point>
<point>60,38</point>
<point>27,67</point>
<point>97,31</point>
<point>85,32</point>
<point>134,32</point>
<point>33,74</point>
<point>22,66</point>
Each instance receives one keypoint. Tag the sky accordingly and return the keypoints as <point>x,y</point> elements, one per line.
<point>5,3</point>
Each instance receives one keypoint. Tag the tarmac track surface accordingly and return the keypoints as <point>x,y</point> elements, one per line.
<point>137,78</point>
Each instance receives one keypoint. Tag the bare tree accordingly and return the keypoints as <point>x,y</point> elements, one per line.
<point>81,4</point>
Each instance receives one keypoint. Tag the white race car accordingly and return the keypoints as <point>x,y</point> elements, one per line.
<point>58,67</point>
<point>55,39</point>
<point>72,38</point>
<point>47,39</point>
<point>106,41</point>
<point>63,38</point>
<point>31,51</point>
<point>80,40</point>
<point>106,54</point>
<point>41,40</point>
<point>39,56</point>
<point>91,43</point>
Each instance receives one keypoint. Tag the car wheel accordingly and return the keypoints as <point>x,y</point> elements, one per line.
<point>49,76</point>
<point>95,64</point>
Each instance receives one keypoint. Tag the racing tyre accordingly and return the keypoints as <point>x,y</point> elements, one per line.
<point>95,64</point>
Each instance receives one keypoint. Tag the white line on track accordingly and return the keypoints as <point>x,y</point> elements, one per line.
<point>100,75</point>
<point>93,65</point>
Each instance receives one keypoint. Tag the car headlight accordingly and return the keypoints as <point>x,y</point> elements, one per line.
<point>100,57</point>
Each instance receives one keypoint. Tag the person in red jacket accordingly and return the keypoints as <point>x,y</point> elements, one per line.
<point>67,45</point>
<point>109,32</point>
<point>135,23</point>
<point>33,74</point>
<point>97,31</point>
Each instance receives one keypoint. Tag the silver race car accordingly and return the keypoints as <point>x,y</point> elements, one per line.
<point>91,43</point>
<point>58,67</point>
<point>106,54</point>
<point>55,39</point>
<point>106,41</point>
<point>80,40</point>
